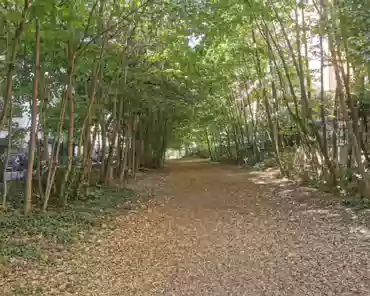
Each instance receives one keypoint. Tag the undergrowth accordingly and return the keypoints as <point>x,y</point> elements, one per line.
<point>357,204</point>
<point>346,185</point>
<point>26,237</point>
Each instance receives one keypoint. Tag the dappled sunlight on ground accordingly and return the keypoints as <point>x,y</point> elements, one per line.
<point>187,160</point>
<point>268,176</point>
<point>361,231</point>
<point>212,229</point>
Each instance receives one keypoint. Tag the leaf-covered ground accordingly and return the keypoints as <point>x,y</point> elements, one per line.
<point>212,230</point>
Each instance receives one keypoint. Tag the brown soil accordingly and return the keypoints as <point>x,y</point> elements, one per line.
<point>214,230</point>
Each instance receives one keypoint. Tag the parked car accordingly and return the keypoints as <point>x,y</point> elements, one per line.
<point>17,161</point>
<point>16,167</point>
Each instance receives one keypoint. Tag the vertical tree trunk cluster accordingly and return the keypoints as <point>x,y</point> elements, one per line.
<point>93,97</point>
<point>312,129</point>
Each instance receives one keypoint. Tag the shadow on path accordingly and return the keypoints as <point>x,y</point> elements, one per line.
<point>214,231</point>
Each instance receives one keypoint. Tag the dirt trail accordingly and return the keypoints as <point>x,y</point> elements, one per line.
<point>220,233</point>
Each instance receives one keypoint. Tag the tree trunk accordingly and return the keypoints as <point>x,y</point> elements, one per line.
<point>33,135</point>
<point>53,166</point>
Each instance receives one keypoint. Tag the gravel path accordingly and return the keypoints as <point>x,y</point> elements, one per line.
<point>215,231</point>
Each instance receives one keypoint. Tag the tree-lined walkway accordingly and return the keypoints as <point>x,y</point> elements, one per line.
<point>221,233</point>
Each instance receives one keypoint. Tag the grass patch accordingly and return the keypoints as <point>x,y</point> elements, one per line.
<point>26,236</point>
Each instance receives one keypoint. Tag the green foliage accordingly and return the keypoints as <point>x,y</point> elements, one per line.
<point>59,227</point>
<point>27,236</point>
<point>18,250</point>
<point>357,204</point>
<point>232,78</point>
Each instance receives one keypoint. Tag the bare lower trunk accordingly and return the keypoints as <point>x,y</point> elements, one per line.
<point>53,165</point>
<point>62,194</point>
<point>125,156</point>
<point>32,144</point>
<point>7,158</point>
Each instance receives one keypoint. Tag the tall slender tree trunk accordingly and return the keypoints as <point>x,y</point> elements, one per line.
<point>306,57</point>
<point>126,141</point>
<point>335,129</point>
<point>322,93</point>
<point>53,165</point>
<point>267,107</point>
<point>112,141</point>
<point>32,144</point>
<point>208,145</point>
